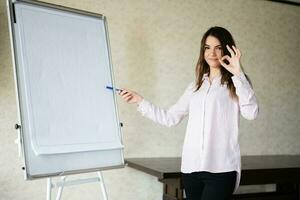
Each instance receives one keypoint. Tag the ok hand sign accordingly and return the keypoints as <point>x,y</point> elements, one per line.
<point>234,65</point>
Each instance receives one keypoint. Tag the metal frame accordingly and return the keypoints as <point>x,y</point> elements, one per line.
<point>58,7</point>
<point>19,140</point>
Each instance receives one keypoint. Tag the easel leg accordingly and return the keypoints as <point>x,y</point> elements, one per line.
<point>103,189</point>
<point>49,188</point>
<point>60,188</point>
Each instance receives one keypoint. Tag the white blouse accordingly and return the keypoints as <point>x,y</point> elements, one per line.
<point>211,140</point>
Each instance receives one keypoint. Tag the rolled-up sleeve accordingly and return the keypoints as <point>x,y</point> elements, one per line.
<point>169,117</point>
<point>247,100</point>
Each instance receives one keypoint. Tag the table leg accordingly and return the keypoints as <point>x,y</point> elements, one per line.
<point>172,189</point>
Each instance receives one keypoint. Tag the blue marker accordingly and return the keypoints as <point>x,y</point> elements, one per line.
<point>111,88</point>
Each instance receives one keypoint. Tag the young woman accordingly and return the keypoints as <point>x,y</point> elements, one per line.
<point>211,161</point>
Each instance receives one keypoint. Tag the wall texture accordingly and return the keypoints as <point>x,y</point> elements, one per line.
<point>155,46</point>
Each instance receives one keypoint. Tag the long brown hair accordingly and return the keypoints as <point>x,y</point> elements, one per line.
<point>202,67</point>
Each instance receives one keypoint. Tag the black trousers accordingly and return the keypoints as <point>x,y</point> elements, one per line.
<point>209,186</point>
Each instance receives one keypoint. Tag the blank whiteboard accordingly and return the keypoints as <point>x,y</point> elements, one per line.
<point>69,120</point>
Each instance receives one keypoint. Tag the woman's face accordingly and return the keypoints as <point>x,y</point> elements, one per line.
<point>213,51</point>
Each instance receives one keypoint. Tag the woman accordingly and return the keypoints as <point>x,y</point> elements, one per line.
<point>211,161</point>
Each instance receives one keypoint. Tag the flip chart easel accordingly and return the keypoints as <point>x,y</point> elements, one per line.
<point>68,120</point>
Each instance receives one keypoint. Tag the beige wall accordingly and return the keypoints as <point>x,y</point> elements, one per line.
<point>155,45</point>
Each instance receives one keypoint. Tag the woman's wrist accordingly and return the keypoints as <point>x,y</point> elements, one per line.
<point>238,72</point>
<point>139,100</point>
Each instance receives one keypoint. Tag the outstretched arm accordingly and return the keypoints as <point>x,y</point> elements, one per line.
<point>167,117</point>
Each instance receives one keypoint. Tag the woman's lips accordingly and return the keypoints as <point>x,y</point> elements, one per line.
<point>213,59</point>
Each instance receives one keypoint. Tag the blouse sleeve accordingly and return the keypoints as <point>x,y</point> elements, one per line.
<point>171,116</point>
<point>247,100</point>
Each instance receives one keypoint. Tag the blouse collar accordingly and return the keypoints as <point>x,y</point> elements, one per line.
<point>217,78</point>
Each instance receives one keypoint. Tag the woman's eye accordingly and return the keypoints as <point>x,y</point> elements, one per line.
<point>206,47</point>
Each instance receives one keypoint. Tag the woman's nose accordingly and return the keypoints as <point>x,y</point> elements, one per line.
<point>213,52</point>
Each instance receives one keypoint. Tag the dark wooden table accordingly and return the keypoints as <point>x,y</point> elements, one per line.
<point>281,170</point>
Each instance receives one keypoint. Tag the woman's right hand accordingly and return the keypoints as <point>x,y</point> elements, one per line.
<point>130,96</point>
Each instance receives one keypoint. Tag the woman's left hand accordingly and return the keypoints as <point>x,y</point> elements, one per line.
<point>234,65</point>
